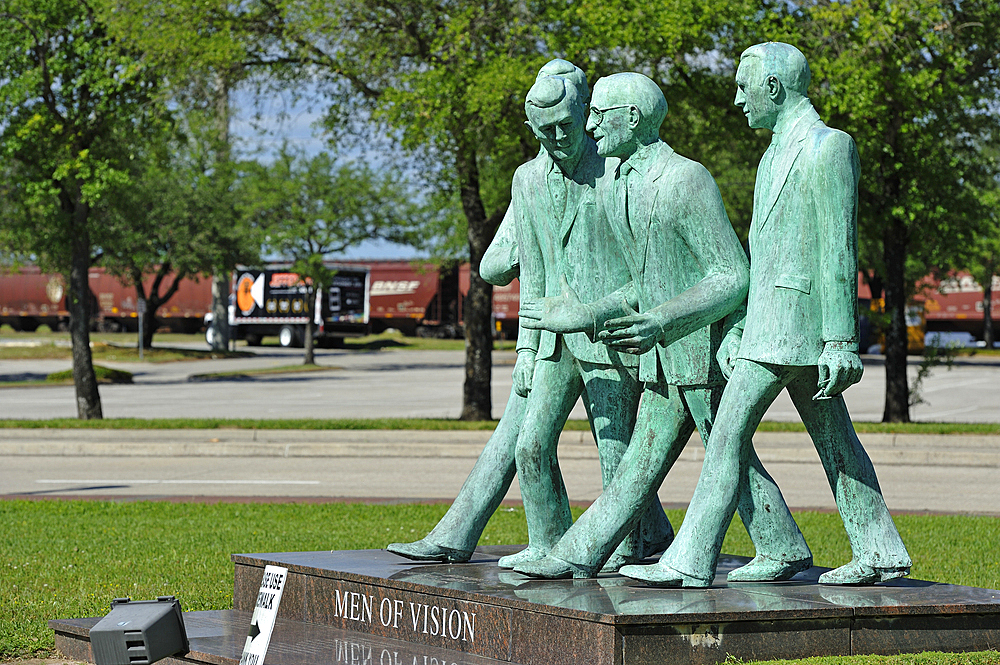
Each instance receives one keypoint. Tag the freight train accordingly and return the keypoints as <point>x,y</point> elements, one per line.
<point>415,298</point>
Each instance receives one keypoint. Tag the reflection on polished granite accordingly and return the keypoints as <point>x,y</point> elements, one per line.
<point>613,598</point>
<point>217,637</point>
<point>371,606</point>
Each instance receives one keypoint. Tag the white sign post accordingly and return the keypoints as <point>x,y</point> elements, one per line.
<point>264,613</point>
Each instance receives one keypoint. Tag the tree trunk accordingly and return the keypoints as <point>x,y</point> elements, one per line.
<point>221,278</point>
<point>88,399</point>
<point>148,327</point>
<point>220,311</point>
<point>308,343</point>
<point>987,313</point>
<point>477,401</point>
<point>897,392</point>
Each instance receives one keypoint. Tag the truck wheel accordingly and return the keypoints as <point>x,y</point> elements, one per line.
<point>253,339</point>
<point>288,336</point>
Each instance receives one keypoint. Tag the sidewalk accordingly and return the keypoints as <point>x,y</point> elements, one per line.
<point>791,447</point>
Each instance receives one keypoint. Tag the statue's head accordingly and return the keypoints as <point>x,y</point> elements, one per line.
<point>770,76</point>
<point>556,117</point>
<point>626,112</point>
<point>571,73</point>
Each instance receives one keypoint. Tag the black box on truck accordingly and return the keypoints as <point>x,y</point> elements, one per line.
<point>276,301</point>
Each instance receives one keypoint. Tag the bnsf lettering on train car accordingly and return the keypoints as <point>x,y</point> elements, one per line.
<point>384,287</point>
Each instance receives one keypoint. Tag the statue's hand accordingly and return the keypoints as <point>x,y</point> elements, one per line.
<point>728,350</point>
<point>524,372</point>
<point>562,314</point>
<point>635,333</point>
<point>838,369</point>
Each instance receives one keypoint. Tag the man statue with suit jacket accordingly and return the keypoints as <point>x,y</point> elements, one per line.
<point>687,274</point>
<point>800,332</point>
<point>454,538</point>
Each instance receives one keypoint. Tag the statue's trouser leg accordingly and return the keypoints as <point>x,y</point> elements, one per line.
<point>486,486</point>
<point>751,389</point>
<point>611,395</point>
<point>663,426</point>
<point>555,388</point>
<point>870,529</point>
<point>761,506</point>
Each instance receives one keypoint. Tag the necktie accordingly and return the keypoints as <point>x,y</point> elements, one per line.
<point>623,181</point>
<point>557,190</point>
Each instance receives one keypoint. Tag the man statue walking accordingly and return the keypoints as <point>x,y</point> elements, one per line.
<point>688,273</point>
<point>800,332</point>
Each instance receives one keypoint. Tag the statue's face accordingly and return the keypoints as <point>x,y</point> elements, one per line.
<point>609,123</point>
<point>752,95</point>
<point>559,129</point>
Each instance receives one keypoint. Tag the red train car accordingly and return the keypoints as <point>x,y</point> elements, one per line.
<point>30,298</point>
<point>956,305</point>
<point>423,299</point>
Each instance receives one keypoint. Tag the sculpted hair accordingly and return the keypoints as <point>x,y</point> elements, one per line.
<point>549,91</point>
<point>783,61</point>
<point>640,91</point>
<point>571,73</point>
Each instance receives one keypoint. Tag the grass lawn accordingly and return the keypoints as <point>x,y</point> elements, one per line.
<point>62,559</point>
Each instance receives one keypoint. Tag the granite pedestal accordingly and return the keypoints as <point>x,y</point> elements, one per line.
<point>370,606</point>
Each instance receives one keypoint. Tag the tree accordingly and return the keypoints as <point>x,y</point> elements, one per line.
<point>308,208</point>
<point>915,85</point>
<point>914,82</point>
<point>177,217</point>
<point>984,262</point>
<point>74,101</point>
<point>449,81</point>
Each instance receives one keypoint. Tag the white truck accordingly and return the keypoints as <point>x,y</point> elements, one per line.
<point>275,301</point>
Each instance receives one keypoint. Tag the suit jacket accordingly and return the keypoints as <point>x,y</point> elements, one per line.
<point>499,265</point>
<point>804,247</point>
<point>577,244</point>
<point>685,261</point>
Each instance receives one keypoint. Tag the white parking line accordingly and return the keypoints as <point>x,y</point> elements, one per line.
<point>88,481</point>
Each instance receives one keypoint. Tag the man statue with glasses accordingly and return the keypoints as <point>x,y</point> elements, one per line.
<point>688,274</point>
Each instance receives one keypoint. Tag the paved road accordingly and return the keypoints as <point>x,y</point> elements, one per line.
<point>955,474</point>
<point>410,384</point>
<point>940,474</point>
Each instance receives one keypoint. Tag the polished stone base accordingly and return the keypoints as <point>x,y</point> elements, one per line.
<point>399,611</point>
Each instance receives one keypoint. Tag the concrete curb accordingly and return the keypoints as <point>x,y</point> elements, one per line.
<point>884,449</point>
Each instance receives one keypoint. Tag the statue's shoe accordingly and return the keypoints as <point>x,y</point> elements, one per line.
<point>763,569</point>
<point>422,550</point>
<point>662,575</point>
<point>856,572</point>
<point>524,556</point>
<point>553,568</point>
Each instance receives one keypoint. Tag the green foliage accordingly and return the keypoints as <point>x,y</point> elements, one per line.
<point>63,559</point>
<point>912,83</point>
<point>74,104</point>
<point>310,207</point>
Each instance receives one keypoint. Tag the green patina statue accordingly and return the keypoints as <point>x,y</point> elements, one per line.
<point>800,332</point>
<point>562,176</point>
<point>687,273</point>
